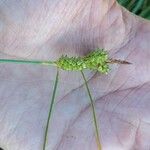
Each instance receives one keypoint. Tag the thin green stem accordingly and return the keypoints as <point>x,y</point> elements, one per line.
<point>27,62</point>
<point>50,110</point>
<point>93,112</point>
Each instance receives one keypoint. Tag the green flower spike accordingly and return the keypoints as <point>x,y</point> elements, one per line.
<point>96,60</point>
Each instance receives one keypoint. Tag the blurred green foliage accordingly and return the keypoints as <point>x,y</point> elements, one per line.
<point>138,7</point>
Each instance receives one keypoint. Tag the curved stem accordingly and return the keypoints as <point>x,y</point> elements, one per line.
<point>93,112</point>
<point>50,110</point>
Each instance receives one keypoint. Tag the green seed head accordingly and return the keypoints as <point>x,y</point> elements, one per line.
<point>95,60</point>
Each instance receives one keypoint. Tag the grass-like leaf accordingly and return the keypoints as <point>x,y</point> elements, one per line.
<point>146,13</point>
<point>17,61</point>
<point>124,2</point>
<point>138,6</point>
<point>93,112</point>
<point>50,110</point>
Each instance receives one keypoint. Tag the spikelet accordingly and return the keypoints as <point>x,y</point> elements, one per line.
<point>95,60</point>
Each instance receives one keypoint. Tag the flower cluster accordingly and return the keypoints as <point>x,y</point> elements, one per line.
<point>95,60</point>
<point>70,63</point>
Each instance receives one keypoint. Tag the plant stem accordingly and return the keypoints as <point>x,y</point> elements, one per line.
<point>93,112</point>
<point>50,110</point>
<point>27,61</point>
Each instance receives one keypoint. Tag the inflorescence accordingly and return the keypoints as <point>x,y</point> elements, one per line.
<point>95,60</point>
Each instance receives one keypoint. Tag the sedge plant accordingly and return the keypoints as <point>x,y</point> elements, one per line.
<point>96,60</point>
